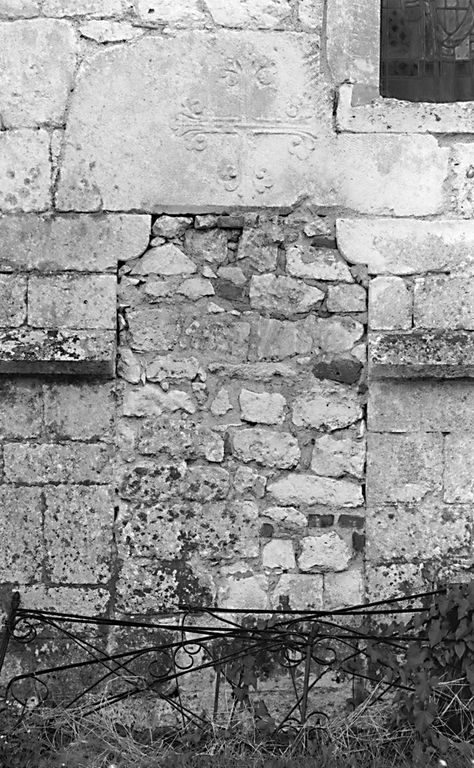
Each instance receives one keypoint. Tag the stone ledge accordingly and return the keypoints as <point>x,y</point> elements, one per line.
<point>421,354</point>
<point>66,352</point>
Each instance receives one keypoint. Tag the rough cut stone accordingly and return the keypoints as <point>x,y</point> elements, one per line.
<point>444,302</point>
<point>20,523</point>
<point>287,518</point>
<point>411,533</point>
<point>80,243</point>
<point>150,400</point>
<point>298,592</point>
<point>278,340</point>
<point>408,246</point>
<point>280,121</point>
<point>217,338</point>
<point>171,226</point>
<point>338,456</point>
<point>272,449</point>
<point>79,411</point>
<point>53,351</point>
<point>254,371</point>
<point>388,581</point>
<point>262,14</point>
<point>221,403</point>
<point>14,8</point>
<point>34,87</point>
<point>280,554</point>
<point>403,467</point>
<point>109,31</point>
<point>256,251</point>
<point>248,592</point>
<point>343,589</point>
<point>308,489</point>
<point>422,354</point>
<point>262,407</point>
<point>459,468</point>
<point>316,263</point>
<point>25,169</point>
<point>158,12</point>
<point>310,13</point>
<point>21,415</point>
<point>335,334</point>
<point>12,301</point>
<point>165,260</point>
<point>85,516</point>
<point>421,406</point>
<point>327,405</point>
<point>346,298</point>
<point>390,303</point>
<point>462,163</point>
<point>153,329</point>
<point>48,463</point>
<point>206,247</point>
<point>167,367</point>
<point>327,552</point>
<point>233,274</point>
<point>283,295</point>
<point>129,366</point>
<point>81,7</point>
<point>196,288</point>
<point>69,301</point>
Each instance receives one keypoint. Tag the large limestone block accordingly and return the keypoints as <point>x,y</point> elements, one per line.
<point>20,523</point>
<point>351,31</point>
<point>444,302</point>
<point>35,83</point>
<point>200,120</point>
<point>403,467</point>
<point>158,12</point>
<point>408,246</point>
<point>82,7</point>
<point>25,170</point>
<point>255,13</point>
<point>327,405</point>
<point>15,8</point>
<point>308,489</point>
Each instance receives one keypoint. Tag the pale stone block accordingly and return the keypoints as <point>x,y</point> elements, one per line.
<point>403,467</point>
<point>308,489</point>
<point>398,580</point>
<point>150,400</point>
<point>257,250</point>
<point>459,468</point>
<point>153,13</point>
<point>71,301</point>
<point>411,533</point>
<point>335,334</point>
<point>57,351</point>
<point>262,407</point>
<point>20,523</point>
<point>171,226</point>
<point>82,7</point>
<point>346,298</point>
<point>298,592</point>
<point>206,247</point>
<point>92,602</point>
<point>444,302</point>
<point>78,243</point>
<point>327,552</point>
<point>248,592</point>
<point>221,403</point>
<point>12,301</point>
<point>153,329</point>
<point>343,589</point>
<point>272,449</point>
<point>353,34</point>
<point>85,515</point>
<point>421,354</point>
<point>316,263</point>
<point>337,456</point>
<point>109,31</point>
<point>13,8</point>
<point>41,57</point>
<point>262,14</point>
<point>327,405</point>
<point>311,13</point>
<point>47,463</point>
<point>287,518</point>
<point>421,406</point>
<point>165,367</point>
<point>283,295</point>
<point>268,161</point>
<point>462,164</point>
<point>21,414</point>
<point>165,260</point>
<point>279,554</point>
<point>234,274</point>
<point>408,246</point>
<point>390,303</point>
<point>79,411</point>
<point>25,169</point>
<point>196,288</point>
<point>129,366</point>
<point>278,340</point>
<point>216,338</point>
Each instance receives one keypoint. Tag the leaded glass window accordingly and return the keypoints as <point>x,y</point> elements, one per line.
<point>427,50</point>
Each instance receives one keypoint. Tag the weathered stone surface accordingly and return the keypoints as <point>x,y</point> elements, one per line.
<point>351,31</point>
<point>221,403</point>
<point>34,87</point>
<point>421,406</point>
<point>81,7</point>
<point>343,589</point>
<point>180,437</point>
<point>262,407</point>
<point>196,288</point>
<point>408,246</point>
<point>308,489</point>
<point>165,260</point>
<point>316,263</point>
<point>399,580</point>
<point>458,468</point>
<point>279,554</point>
<point>206,247</point>
<point>21,414</point>
<point>272,449</point>
<point>403,467</point>
<point>257,251</point>
<point>12,301</point>
<point>337,456</point>
<point>418,533</point>
<point>78,530</point>
<point>83,602</point>
<point>39,351</point>
<point>343,368</point>
<point>150,400</point>
<point>217,338</point>
<point>48,463</point>
<point>287,519</point>
<point>20,522</point>
<point>310,13</point>
<point>25,169</point>
<point>423,354</point>
<point>79,411</point>
<point>109,31</point>
<point>81,243</point>
<point>248,592</point>
<point>390,304</point>
<point>260,14</point>
<point>272,68</point>
<point>71,301</point>
<point>204,484</point>
<point>298,592</point>
<point>327,552</point>
<point>462,162</point>
<point>248,480</point>
<point>254,371</point>
<point>14,8</point>
<point>233,274</point>
<point>278,340</point>
<point>335,334</point>
<point>346,298</point>
<point>171,226</point>
<point>283,295</point>
<point>150,483</point>
<point>153,329</point>
<point>444,302</point>
<point>128,366</point>
<point>158,12</point>
<point>327,405</point>
<point>165,367</point>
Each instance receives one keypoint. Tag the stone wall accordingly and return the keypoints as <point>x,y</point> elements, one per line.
<point>229,171</point>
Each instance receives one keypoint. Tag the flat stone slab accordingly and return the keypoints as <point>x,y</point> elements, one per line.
<point>421,354</point>
<point>75,352</point>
